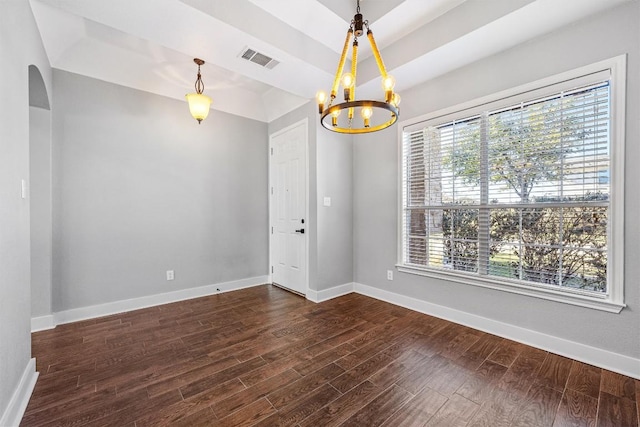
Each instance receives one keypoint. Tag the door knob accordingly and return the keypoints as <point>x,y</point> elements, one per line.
<point>301,231</point>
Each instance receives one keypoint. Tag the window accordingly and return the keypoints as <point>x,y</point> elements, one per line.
<point>522,192</point>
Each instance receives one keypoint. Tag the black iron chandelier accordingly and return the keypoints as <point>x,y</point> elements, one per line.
<point>374,114</point>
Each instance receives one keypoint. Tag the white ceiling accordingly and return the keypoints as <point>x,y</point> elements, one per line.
<point>150,44</point>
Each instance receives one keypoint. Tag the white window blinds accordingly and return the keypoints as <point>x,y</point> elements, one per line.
<point>519,192</point>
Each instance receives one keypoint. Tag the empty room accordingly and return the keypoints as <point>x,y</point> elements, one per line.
<point>319,213</point>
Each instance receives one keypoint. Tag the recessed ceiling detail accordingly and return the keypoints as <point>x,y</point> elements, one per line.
<point>149,45</point>
<point>375,8</point>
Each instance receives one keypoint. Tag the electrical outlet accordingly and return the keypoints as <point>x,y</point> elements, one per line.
<point>389,274</point>
<point>170,275</point>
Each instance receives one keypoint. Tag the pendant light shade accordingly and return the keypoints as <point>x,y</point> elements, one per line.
<point>199,104</point>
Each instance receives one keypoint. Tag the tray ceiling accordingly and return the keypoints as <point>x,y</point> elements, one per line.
<point>150,44</point>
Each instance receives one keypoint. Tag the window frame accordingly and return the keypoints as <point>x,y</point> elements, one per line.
<point>613,68</point>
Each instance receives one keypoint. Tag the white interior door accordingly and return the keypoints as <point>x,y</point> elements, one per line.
<point>288,177</point>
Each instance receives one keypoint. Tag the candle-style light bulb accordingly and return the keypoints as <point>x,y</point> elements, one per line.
<point>347,80</point>
<point>321,97</point>
<point>388,83</point>
<point>366,114</point>
<point>334,117</point>
<point>396,99</point>
<point>347,83</point>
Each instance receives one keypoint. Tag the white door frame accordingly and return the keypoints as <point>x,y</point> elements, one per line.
<point>305,123</point>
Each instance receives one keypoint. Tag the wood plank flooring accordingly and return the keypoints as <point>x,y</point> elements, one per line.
<point>265,357</point>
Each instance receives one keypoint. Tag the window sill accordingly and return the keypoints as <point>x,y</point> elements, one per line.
<point>531,291</point>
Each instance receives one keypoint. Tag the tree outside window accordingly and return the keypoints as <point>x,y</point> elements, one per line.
<point>516,193</point>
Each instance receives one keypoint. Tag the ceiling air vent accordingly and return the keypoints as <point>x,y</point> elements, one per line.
<point>258,58</point>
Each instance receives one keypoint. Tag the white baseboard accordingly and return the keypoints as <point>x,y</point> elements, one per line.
<point>327,294</point>
<point>18,403</point>
<point>42,323</point>
<point>106,309</point>
<point>622,364</point>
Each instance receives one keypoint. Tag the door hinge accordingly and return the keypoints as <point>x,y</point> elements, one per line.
<point>271,230</point>
<point>272,269</point>
<point>272,191</point>
<point>272,151</point>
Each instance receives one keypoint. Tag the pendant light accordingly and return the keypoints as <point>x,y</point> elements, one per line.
<point>199,103</point>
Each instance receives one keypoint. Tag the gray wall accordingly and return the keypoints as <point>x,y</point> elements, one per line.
<point>140,188</point>
<point>335,222</point>
<point>376,192</point>
<point>20,46</point>
<point>330,174</point>
<point>41,215</point>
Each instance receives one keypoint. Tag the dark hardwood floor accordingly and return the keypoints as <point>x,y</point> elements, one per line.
<point>265,357</point>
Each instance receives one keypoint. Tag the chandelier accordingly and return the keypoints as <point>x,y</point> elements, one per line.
<point>199,103</point>
<point>374,114</point>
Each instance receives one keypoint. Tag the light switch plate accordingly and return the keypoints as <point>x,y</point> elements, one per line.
<point>327,201</point>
